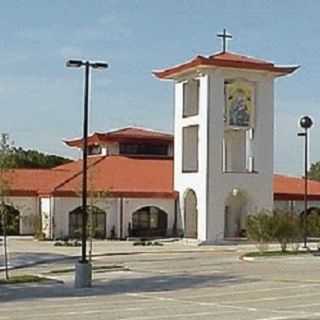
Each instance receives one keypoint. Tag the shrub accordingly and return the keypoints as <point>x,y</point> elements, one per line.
<point>279,225</point>
<point>287,228</point>
<point>313,224</point>
<point>260,228</point>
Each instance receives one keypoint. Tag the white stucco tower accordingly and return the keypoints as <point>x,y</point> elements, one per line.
<point>223,158</point>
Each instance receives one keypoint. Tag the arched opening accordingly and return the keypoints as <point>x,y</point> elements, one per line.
<point>96,226</point>
<point>149,222</point>
<point>190,215</point>
<point>235,214</point>
<point>10,217</point>
<point>311,211</point>
<point>312,221</point>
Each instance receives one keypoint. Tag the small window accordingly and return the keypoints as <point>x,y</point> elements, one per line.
<point>238,153</point>
<point>144,149</point>
<point>94,150</point>
<point>190,148</point>
<point>191,98</point>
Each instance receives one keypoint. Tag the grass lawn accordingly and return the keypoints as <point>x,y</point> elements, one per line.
<point>23,279</point>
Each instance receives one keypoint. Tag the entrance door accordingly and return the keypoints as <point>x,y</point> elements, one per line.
<point>96,222</point>
<point>11,218</point>
<point>190,215</point>
<point>149,222</point>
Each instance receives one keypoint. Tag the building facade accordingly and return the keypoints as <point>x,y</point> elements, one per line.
<point>200,183</point>
<point>223,161</point>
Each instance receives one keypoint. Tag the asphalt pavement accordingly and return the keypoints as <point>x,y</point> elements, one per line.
<point>173,284</point>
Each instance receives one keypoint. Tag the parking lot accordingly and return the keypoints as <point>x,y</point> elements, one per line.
<point>175,285</point>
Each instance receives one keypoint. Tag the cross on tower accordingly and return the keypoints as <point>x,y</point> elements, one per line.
<point>225,36</point>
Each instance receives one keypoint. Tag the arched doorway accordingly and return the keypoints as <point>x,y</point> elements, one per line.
<point>235,214</point>
<point>311,211</point>
<point>190,215</point>
<point>96,222</point>
<point>11,217</point>
<point>149,222</point>
<point>312,221</point>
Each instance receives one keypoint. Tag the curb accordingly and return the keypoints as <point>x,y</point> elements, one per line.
<point>51,279</point>
<point>247,259</point>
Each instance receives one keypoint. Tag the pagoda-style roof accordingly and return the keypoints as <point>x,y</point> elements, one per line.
<point>124,134</point>
<point>225,60</point>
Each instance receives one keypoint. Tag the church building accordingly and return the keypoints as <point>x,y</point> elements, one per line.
<point>200,183</point>
<point>224,119</point>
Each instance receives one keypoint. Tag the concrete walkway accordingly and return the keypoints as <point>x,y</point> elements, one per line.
<point>25,251</point>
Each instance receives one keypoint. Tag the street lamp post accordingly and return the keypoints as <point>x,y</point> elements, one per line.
<point>305,123</point>
<point>83,274</point>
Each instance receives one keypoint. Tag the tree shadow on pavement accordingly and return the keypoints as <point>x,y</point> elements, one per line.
<point>118,286</point>
<point>19,260</point>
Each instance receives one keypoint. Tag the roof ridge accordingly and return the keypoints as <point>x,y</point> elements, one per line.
<point>116,130</point>
<point>77,174</point>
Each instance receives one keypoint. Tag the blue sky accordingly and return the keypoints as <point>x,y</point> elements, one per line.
<point>41,100</point>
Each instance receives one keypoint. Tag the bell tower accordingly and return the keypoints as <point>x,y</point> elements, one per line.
<point>223,148</point>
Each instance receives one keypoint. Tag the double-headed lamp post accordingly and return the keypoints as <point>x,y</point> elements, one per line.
<point>83,274</point>
<point>305,123</point>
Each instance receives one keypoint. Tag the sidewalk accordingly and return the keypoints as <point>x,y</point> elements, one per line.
<point>25,251</point>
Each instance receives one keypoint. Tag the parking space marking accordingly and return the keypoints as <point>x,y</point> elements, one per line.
<point>285,314</point>
<point>76,305</point>
<point>216,295</point>
<point>278,298</point>
<point>294,317</point>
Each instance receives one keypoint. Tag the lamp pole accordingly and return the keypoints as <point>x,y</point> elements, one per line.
<point>305,123</point>
<point>83,268</point>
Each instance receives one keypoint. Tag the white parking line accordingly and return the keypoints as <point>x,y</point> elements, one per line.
<point>306,316</point>
<point>287,314</point>
<point>304,305</point>
<point>117,303</point>
<point>216,295</point>
<point>277,298</point>
<point>70,313</point>
<point>177,315</point>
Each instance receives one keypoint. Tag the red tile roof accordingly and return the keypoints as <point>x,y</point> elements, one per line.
<point>116,175</point>
<point>32,182</point>
<point>125,134</point>
<point>224,59</point>
<point>123,176</point>
<point>127,177</point>
<point>292,188</point>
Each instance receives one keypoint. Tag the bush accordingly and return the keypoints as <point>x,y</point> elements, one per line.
<point>260,228</point>
<point>278,225</point>
<point>313,224</point>
<point>287,228</point>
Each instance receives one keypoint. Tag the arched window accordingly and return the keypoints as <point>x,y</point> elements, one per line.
<point>96,222</point>
<point>149,222</point>
<point>9,216</point>
<point>190,215</point>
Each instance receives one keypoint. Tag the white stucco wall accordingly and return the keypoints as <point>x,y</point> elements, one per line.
<point>256,186</point>
<point>196,180</point>
<point>130,205</point>
<point>63,205</point>
<point>211,184</point>
<point>112,206</point>
<point>29,209</point>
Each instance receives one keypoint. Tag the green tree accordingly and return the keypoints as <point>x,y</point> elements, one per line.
<point>314,172</point>
<point>20,158</point>
<point>6,162</point>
